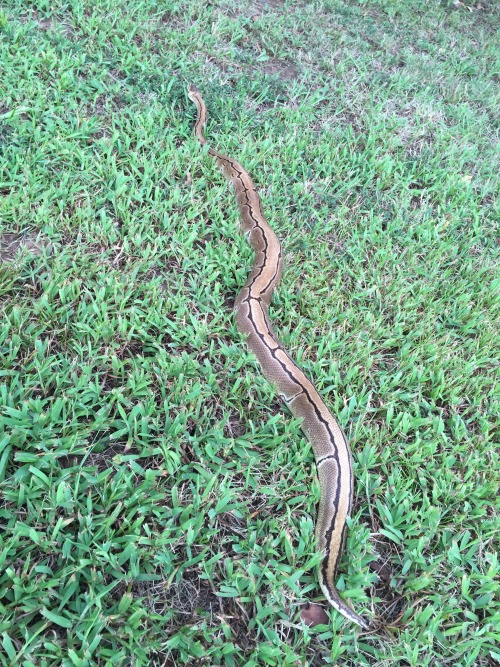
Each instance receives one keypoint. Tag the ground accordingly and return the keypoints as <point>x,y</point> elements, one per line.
<point>158,500</point>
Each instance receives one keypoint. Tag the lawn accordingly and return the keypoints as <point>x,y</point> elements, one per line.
<point>158,501</point>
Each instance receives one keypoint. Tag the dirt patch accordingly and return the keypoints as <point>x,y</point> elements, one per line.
<point>391,605</point>
<point>266,4</point>
<point>14,243</point>
<point>280,68</point>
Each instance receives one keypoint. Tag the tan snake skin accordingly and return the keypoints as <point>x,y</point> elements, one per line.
<point>333,457</point>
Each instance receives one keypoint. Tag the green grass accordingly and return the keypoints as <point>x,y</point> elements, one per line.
<point>158,502</point>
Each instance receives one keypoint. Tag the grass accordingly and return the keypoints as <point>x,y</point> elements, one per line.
<point>158,501</point>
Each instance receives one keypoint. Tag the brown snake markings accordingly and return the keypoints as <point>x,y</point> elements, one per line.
<point>333,457</point>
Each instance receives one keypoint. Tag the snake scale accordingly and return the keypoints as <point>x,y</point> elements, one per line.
<point>331,450</point>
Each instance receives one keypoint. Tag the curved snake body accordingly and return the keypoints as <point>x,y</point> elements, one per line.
<point>333,457</point>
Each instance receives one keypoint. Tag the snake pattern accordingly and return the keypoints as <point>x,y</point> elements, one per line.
<point>331,450</point>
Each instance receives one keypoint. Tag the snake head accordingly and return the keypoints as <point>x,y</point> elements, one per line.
<point>193,90</point>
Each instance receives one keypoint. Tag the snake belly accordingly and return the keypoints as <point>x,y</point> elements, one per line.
<point>331,450</point>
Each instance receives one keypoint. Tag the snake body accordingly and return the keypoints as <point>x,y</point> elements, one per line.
<point>331,450</point>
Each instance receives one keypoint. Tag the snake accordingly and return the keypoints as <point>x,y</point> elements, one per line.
<point>329,443</point>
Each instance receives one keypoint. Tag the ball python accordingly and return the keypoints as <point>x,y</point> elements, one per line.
<point>331,450</point>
